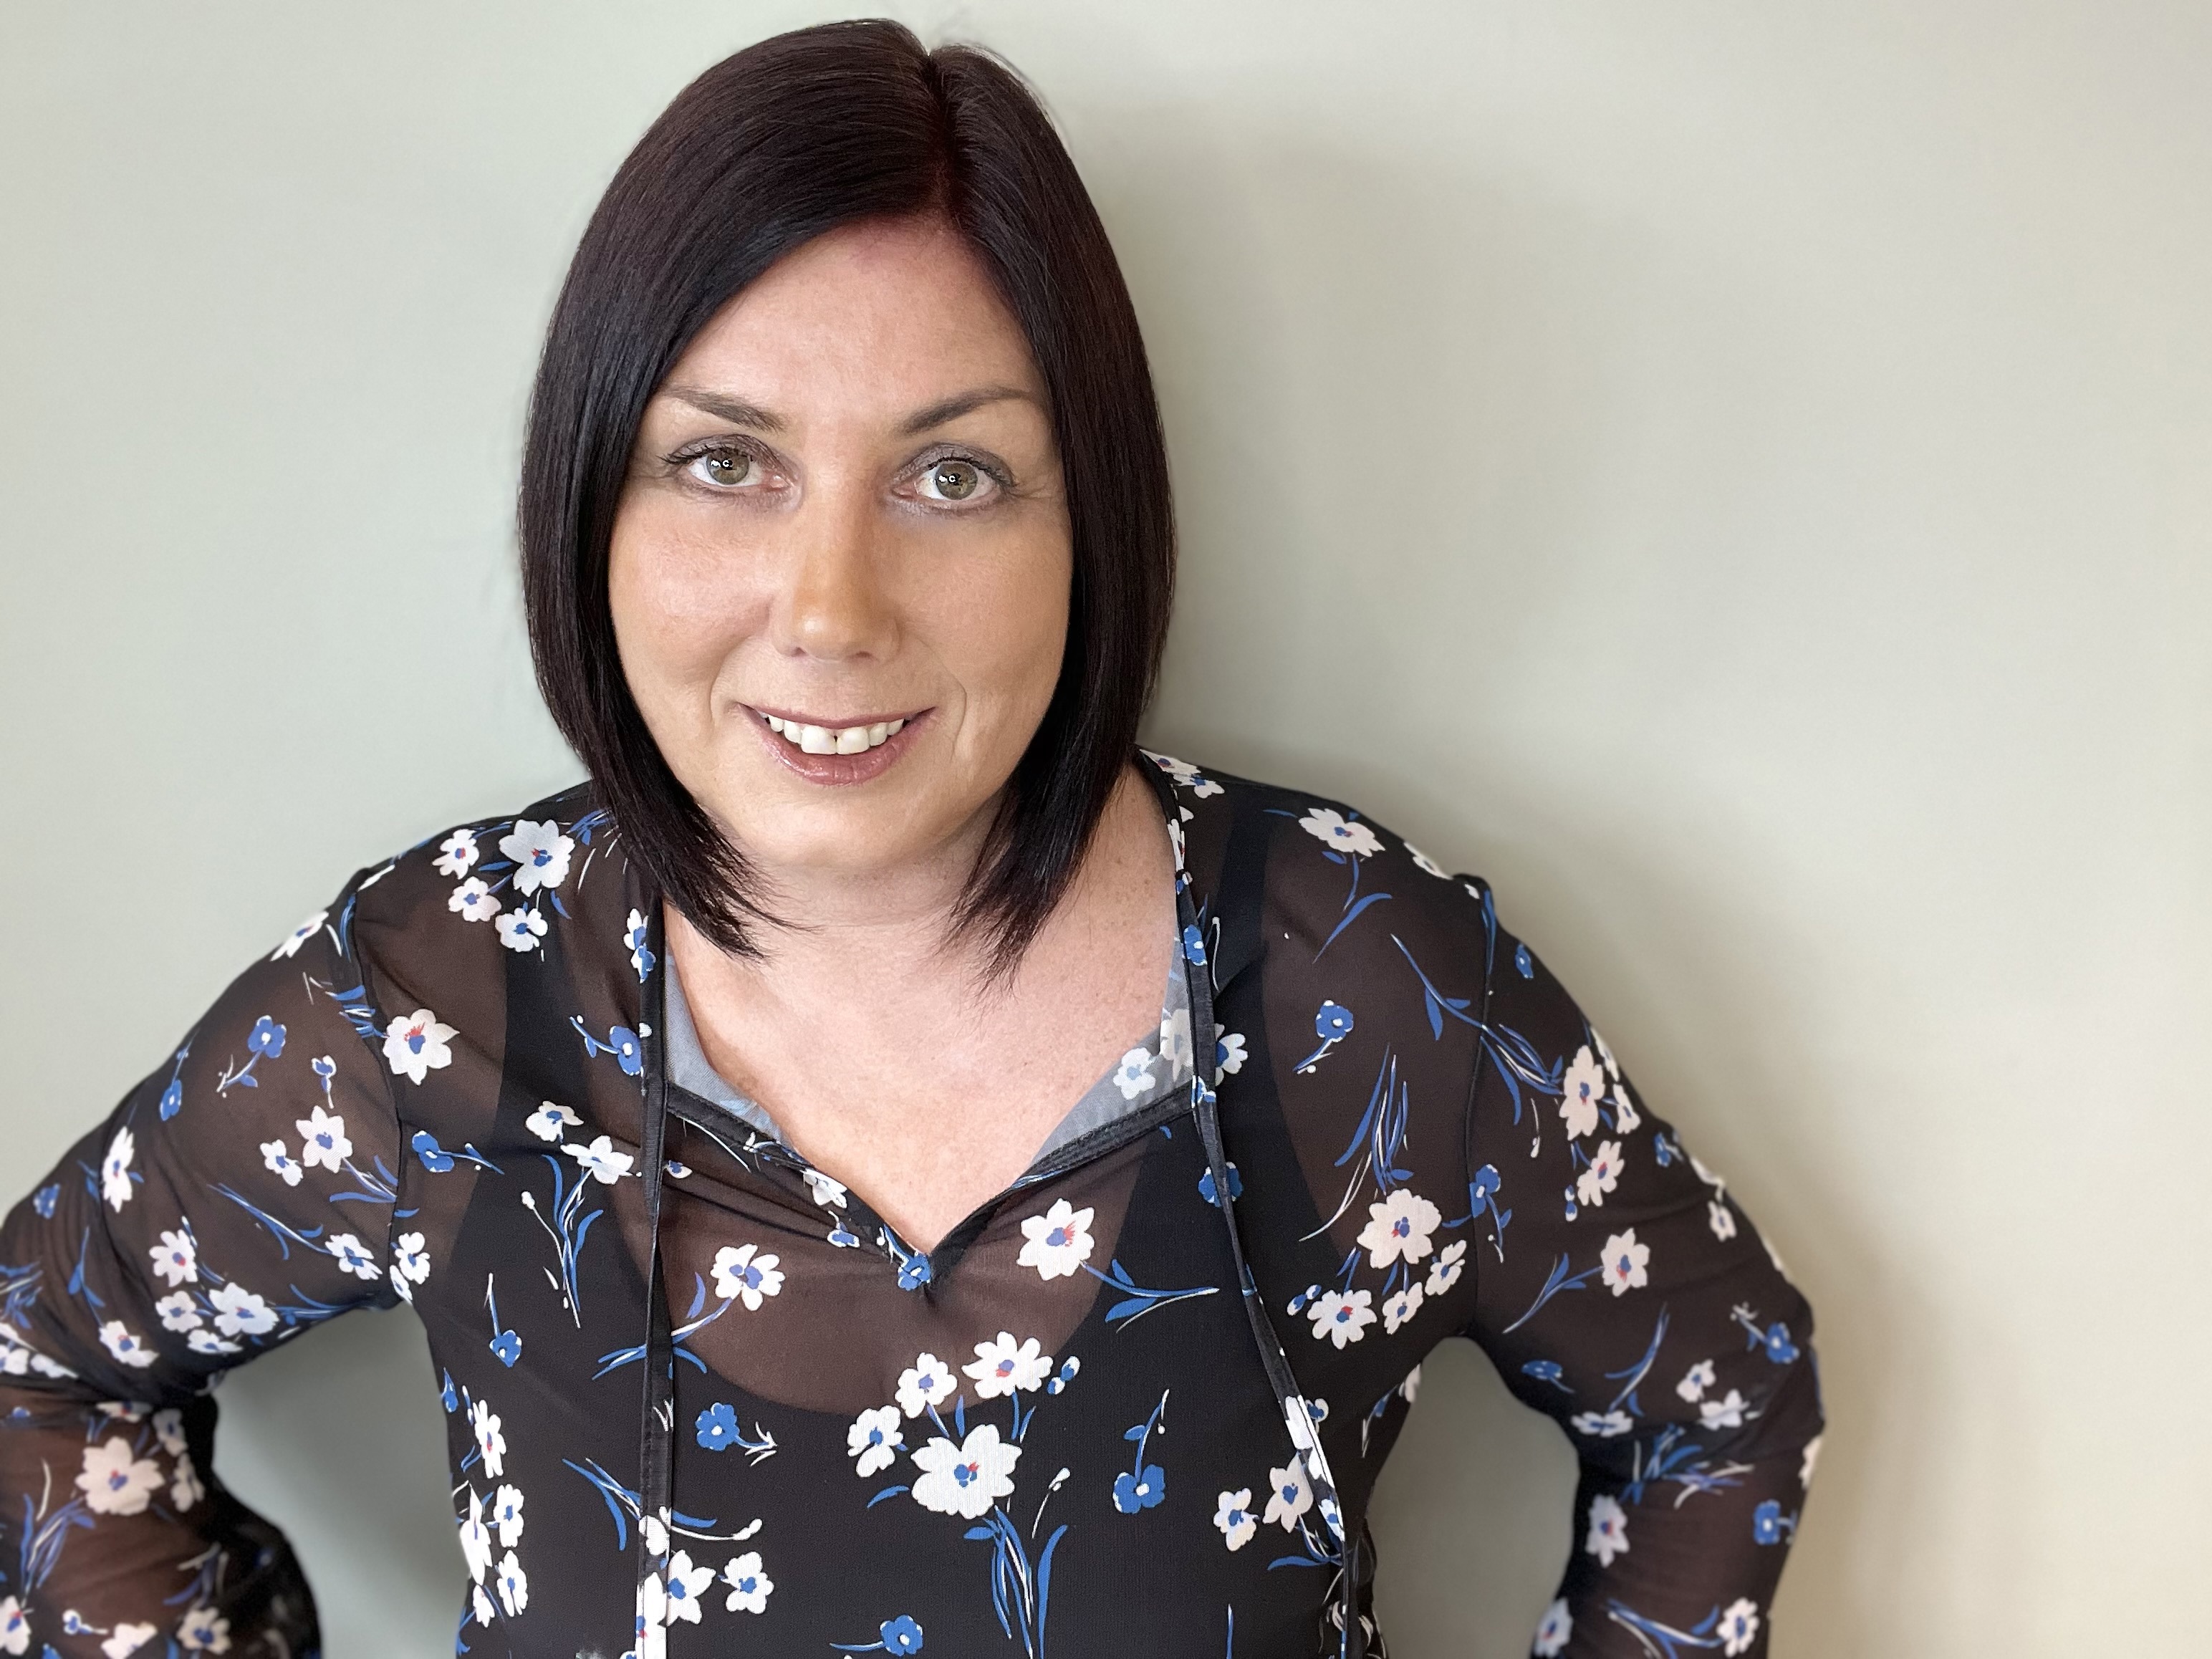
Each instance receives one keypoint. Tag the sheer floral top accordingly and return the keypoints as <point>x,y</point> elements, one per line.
<point>700,1399</point>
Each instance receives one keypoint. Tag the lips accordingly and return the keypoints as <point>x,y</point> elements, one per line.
<point>847,753</point>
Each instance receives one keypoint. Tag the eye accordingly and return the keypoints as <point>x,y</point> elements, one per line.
<point>723,469</point>
<point>955,480</point>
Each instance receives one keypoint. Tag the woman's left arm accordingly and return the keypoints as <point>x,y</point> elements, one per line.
<point>1630,1299</point>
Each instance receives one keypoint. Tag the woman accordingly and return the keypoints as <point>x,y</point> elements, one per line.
<point>886,1163</point>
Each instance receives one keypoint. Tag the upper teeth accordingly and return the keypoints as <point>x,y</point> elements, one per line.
<point>831,740</point>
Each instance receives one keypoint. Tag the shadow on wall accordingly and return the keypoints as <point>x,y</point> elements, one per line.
<point>1411,394</point>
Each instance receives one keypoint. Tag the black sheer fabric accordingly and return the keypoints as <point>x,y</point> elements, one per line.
<point>1071,1423</point>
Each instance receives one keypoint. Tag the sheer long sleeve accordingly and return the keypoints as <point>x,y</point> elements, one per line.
<point>244,1192</point>
<point>1629,1297</point>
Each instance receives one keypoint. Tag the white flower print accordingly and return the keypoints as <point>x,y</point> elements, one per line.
<point>126,1639</point>
<point>550,1121</point>
<point>299,936</point>
<point>127,1345</point>
<point>1726,1412</point>
<point>540,853</point>
<point>353,1255</point>
<point>636,931</point>
<point>739,1273</point>
<point>1695,1381</point>
<point>115,1480</point>
<point>14,1629</point>
<point>965,1479</point>
<point>923,1384</point>
<point>1341,1318</point>
<point>480,1604</point>
<point>115,1169</point>
<point>491,1444</point>
<point>1175,1042</point>
<point>1398,1228</point>
<point>874,1439</point>
<point>1397,1310</point>
<point>457,853</point>
<point>178,1312</point>
<point>1444,1271</point>
<point>1428,866</point>
<point>1186,775</point>
<point>1228,1050</point>
<point>1811,1460</point>
<point>169,1430</point>
<point>514,1585</point>
<point>209,1342</point>
<point>175,1259</point>
<point>1600,1176</point>
<point>655,1529</point>
<point>1134,1075</point>
<point>506,1515</point>
<point>274,1157</point>
<point>1608,1529</point>
<point>323,1143</point>
<point>1722,1219</point>
<point>1552,1634</point>
<point>472,900</point>
<point>1289,1497</point>
<point>1739,1627</point>
<point>475,1538</point>
<point>239,1312</point>
<point>1057,1242</point>
<point>1581,1090</point>
<point>1335,830</point>
<point>1005,1365</point>
<point>184,1487</point>
<point>204,1630</point>
<point>1624,1262</point>
<point>830,1194</point>
<point>418,1043</point>
<point>410,1262</point>
<point>1626,1117</point>
<point>1232,1513</point>
<point>750,1588</point>
<point>1602,1426</point>
<point>521,928</point>
<point>606,1165</point>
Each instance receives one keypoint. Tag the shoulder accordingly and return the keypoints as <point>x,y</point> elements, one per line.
<point>1322,890</point>
<point>470,894</point>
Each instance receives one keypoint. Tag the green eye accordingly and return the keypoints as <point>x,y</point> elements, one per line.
<point>954,481</point>
<point>725,467</point>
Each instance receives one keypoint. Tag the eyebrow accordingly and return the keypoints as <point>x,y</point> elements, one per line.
<point>735,410</point>
<point>738,412</point>
<point>952,409</point>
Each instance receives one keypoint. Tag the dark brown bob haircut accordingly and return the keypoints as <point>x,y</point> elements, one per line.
<point>792,137</point>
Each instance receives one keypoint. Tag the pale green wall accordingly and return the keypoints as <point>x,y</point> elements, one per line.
<point>1740,475</point>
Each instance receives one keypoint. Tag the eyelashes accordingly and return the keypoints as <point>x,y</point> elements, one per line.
<point>740,461</point>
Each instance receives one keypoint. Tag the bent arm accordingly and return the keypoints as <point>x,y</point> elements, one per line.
<point>243,1193</point>
<point>1623,1292</point>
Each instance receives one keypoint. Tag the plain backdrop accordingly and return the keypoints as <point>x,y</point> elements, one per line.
<point>1740,475</point>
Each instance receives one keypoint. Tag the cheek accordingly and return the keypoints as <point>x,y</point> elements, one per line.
<point>678,604</point>
<point>1002,632</point>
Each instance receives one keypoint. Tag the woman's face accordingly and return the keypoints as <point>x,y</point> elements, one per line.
<point>845,512</point>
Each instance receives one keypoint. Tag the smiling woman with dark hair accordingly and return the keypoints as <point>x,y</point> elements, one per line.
<point>885,1163</point>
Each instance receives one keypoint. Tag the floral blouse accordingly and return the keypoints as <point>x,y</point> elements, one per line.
<point>700,1399</point>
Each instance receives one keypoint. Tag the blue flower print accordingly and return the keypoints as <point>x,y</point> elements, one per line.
<point>1332,1024</point>
<point>1142,1490</point>
<point>717,1426</point>
<point>1547,1370</point>
<point>635,933</point>
<point>1769,1525</point>
<point>913,1271</point>
<point>1773,1338</point>
<point>1235,1186</point>
<point>45,1201</point>
<point>1144,1485</point>
<point>899,1635</point>
<point>267,1037</point>
<point>1193,946</point>
<point>264,1041</point>
<point>620,1042</point>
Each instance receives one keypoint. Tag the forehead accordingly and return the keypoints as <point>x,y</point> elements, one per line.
<point>885,313</point>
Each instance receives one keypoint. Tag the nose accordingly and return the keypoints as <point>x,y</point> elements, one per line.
<point>834,606</point>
